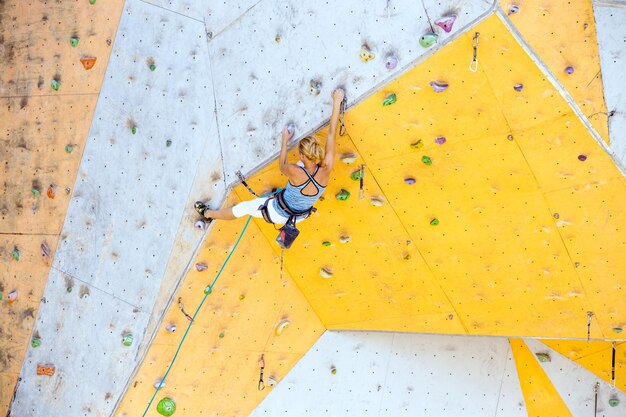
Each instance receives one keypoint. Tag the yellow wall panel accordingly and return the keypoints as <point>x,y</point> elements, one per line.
<point>217,371</point>
<point>563,34</point>
<point>542,398</point>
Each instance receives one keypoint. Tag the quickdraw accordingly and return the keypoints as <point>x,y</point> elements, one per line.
<point>361,176</point>
<point>261,385</point>
<point>242,179</point>
<point>589,316</point>
<point>474,63</point>
<point>181,307</point>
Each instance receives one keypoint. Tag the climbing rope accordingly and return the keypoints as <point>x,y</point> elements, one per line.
<point>474,64</point>
<point>206,294</point>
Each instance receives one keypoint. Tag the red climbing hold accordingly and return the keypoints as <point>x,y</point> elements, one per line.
<point>446,22</point>
<point>88,62</point>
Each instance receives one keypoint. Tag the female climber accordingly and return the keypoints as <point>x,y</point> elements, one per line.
<point>311,174</point>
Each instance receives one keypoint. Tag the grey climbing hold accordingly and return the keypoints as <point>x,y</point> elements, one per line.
<point>201,266</point>
<point>45,250</point>
<point>168,143</point>
<point>428,40</point>
<point>513,9</point>
<point>569,70</point>
<point>315,87</point>
<point>391,62</point>
<point>438,87</point>
<point>446,22</point>
<point>409,181</point>
<point>518,87</point>
<point>440,140</point>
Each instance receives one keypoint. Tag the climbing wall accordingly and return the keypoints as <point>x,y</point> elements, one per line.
<point>519,174</point>
<point>42,137</point>
<point>398,374</point>
<point>251,312</point>
<point>152,123</point>
<point>610,17</point>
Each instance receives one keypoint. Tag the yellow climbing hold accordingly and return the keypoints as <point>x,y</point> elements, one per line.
<point>366,54</point>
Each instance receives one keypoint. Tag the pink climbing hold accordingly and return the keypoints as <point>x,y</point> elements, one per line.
<point>438,87</point>
<point>391,61</point>
<point>440,140</point>
<point>201,267</point>
<point>582,157</point>
<point>446,22</point>
<point>513,9</point>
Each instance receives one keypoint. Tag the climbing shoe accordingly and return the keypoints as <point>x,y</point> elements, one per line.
<point>201,208</point>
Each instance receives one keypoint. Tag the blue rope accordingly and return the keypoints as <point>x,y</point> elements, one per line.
<point>195,314</point>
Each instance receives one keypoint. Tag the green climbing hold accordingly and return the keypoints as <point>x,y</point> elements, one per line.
<point>426,160</point>
<point>69,148</point>
<point>356,175</point>
<point>543,357</point>
<point>428,40</point>
<point>391,98</point>
<point>69,288</point>
<point>617,329</point>
<point>208,290</point>
<point>152,67</point>
<point>133,130</point>
<point>613,402</point>
<point>326,243</point>
<point>168,143</point>
<point>127,340</point>
<point>74,41</point>
<point>55,85</point>
<point>92,1</point>
<point>35,192</point>
<point>16,253</point>
<point>35,342</point>
<point>166,407</point>
<point>434,222</point>
<point>342,195</point>
<point>221,335</point>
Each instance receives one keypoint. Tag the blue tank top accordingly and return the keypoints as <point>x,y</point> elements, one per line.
<point>295,199</point>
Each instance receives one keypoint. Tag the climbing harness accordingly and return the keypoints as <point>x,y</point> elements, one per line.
<point>474,63</point>
<point>261,385</point>
<point>181,307</point>
<point>206,294</point>
<point>242,179</point>
<point>342,113</point>
<point>361,176</point>
<point>589,316</point>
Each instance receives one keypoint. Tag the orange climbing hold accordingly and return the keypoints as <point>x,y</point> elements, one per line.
<point>45,370</point>
<point>88,62</point>
<point>51,191</point>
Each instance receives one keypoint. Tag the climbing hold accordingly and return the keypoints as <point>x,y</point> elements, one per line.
<point>342,195</point>
<point>16,253</point>
<point>201,267</point>
<point>409,181</point>
<point>208,289</point>
<point>281,326</point>
<point>242,297</point>
<point>55,85</point>
<point>434,222</point>
<point>333,370</point>
<point>366,53</point>
<point>12,297</point>
<point>556,215</point>
<point>133,129</point>
<point>509,137</point>
<point>438,87</point>
<point>345,239</point>
<point>377,202</point>
<point>426,160</point>
<point>45,250</point>
<point>168,143</point>
<point>518,87</point>
<point>291,128</point>
<point>356,175</point>
<point>69,288</point>
<point>221,335</point>
<point>47,370</point>
<point>200,225</point>
<point>35,192</point>
<point>543,357</point>
<point>159,383</point>
<point>569,70</point>
<point>326,273</point>
<point>92,1</point>
<point>152,67</point>
<point>617,329</point>
<point>127,339</point>
<point>390,99</point>
<point>428,40</point>
<point>326,243</point>
<point>391,61</point>
<point>166,407</point>
<point>613,402</point>
<point>170,328</point>
<point>69,148</point>
<point>277,39</point>
<point>271,381</point>
<point>440,140</point>
<point>74,41</point>
<point>417,145</point>
<point>576,264</point>
<point>35,342</point>
<point>513,9</point>
<point>51,191</point>
<point>88,62</point>
<point>446,22</point>
<point>582,158</point>
<point>348,158</point>
<point>315,87</point>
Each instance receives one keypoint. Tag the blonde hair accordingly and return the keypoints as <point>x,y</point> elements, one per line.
<point>311,149</point>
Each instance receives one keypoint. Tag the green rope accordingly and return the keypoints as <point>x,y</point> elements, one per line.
<point>195,314</point>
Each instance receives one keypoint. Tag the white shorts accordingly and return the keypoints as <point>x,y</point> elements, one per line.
<point>251,208</point>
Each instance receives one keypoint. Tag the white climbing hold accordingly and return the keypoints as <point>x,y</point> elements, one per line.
<point>159,383</point>
<point>326,273</point>
<point>345,239</point>
<point>377,202</point>
<point>281,326</point>
<point>200,225</point>
<point>391,62</point>
<point>271,381</point>
<point>348,158</point>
